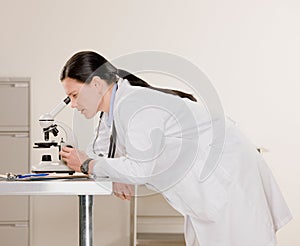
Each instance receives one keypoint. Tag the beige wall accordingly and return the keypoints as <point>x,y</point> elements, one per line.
<point>250,49</point>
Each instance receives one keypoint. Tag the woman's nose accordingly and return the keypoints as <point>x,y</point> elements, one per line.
<point>73,103</point>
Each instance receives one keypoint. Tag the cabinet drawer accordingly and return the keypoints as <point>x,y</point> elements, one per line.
<point>14,234</point>
<point>14,104</point>
<point>14,208</point>
<point>14,152</point>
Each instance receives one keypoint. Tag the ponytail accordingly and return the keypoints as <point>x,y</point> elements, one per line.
<point>136,81</point>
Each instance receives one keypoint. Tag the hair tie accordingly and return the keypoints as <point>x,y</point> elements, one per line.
<point>117,74</point>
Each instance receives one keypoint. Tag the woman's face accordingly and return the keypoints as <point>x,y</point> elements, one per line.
<point>86,98</point>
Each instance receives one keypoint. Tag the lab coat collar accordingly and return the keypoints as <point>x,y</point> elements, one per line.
<point>111,106</point>
<point>117,95</point>
<point>122,85</point>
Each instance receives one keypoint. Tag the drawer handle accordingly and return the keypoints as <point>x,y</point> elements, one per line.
<point>18,225</point>
<point>16,85</point>
<point>21,85</point>
<point>23,135</point>
<point>16,135</point>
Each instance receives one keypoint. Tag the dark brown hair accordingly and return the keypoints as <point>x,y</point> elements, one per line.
<point>84,65</point>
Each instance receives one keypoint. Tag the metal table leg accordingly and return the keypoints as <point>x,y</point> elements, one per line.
<point>86,220</point>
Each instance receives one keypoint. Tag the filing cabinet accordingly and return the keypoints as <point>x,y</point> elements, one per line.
<point>14,147</point>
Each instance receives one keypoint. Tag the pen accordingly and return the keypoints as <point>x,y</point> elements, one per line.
<point>22,176</point>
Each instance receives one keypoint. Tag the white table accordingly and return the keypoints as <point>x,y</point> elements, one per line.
<point>85,189</point>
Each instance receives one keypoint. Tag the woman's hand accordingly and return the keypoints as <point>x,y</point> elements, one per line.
<point>73,157</point>
<point>123,191</point>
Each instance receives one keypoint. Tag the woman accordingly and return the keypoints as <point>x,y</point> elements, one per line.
<point>162,138</point>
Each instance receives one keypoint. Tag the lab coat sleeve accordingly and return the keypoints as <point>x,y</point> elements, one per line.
<point>102,142</point>
<point>143,137</point>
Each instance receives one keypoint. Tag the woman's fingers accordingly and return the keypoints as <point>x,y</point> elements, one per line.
<point>123,191</point>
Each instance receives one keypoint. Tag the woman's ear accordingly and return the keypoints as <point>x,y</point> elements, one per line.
<point>97,83</point>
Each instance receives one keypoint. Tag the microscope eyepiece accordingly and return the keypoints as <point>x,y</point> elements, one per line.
<point>67,100</point>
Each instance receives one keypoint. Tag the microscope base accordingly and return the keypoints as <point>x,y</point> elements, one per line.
<point>51,167</point>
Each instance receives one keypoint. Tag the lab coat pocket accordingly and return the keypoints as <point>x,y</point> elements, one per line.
<point>205,200</point>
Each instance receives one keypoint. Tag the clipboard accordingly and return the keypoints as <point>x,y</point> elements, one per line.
<point>43,177</point>
<point>56,177</point>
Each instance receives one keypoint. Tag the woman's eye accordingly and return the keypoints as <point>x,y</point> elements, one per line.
<point>75,95</point>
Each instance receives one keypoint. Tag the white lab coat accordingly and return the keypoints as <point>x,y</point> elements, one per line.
<point>163,141</point>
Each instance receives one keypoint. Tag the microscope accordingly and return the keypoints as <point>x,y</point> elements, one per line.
<point>48,163</point>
